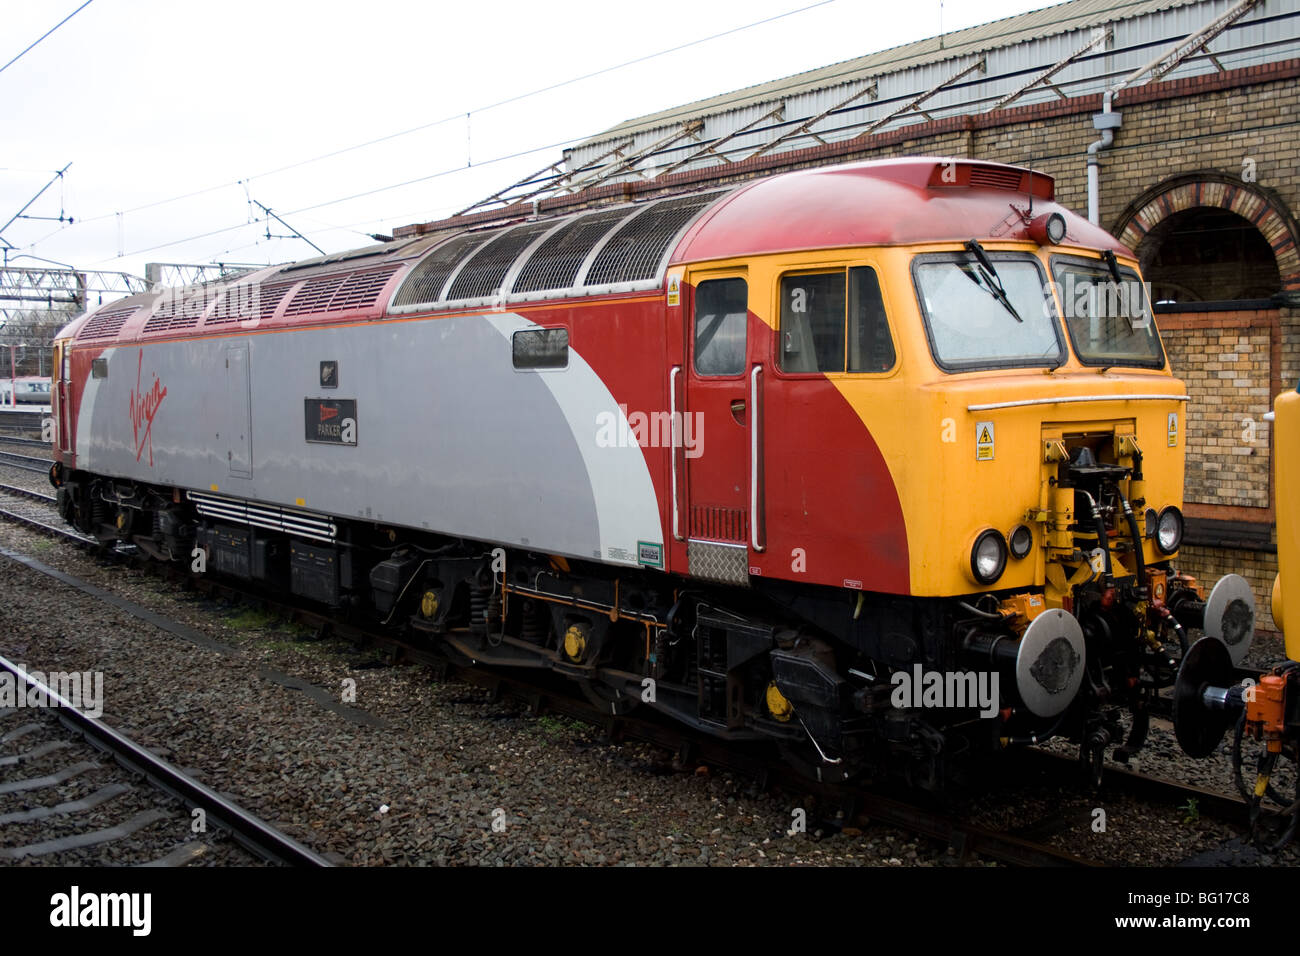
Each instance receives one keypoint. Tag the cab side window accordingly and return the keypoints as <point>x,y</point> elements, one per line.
<point>871,349</point>
<point>721,315</point>
<point>834,322</point>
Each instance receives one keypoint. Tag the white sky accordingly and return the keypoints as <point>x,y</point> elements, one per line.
<point>151,99</point>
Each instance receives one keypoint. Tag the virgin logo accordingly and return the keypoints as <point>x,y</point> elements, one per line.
<point>144,406</point>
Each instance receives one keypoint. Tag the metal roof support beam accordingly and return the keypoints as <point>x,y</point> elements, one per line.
<point>552,184</point>
<point>499,196</point>
<point>1167,60</point>
<point>916,103</point>
<point>1198,40</point>
<point>63,292</point>
<point>689,128</point>
<point>806,128</point>
<point>777,113</point>
<point>1102,37</point>
<point>116,283</point>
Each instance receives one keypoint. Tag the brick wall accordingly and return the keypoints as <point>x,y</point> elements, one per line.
<point>1227,360</point>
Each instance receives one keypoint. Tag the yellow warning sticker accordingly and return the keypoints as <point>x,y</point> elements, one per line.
<point>674,290</point>
<point>1173,429</point>
<point>983,441</point>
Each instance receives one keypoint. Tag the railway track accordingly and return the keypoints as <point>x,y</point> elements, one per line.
<point>841,804</point>
<point>24,442</point>
<point>26,462</point>
<point>55,747</point>
<point>36,510</point>
<point>27,423</point>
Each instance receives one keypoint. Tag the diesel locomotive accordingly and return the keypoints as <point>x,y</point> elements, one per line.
<point>754,456</point>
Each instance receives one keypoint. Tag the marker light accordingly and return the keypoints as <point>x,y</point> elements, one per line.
<point>1022,539</point>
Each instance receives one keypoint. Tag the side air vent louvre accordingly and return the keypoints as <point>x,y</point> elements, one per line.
<point>304,524</point>
<point>993,178</point>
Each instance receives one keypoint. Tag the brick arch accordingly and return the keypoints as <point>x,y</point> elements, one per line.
<point>1257,204</point>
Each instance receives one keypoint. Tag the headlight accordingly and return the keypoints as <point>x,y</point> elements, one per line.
<point>1022,539</point>
<point>988,558</point>
<point>1169,530</point>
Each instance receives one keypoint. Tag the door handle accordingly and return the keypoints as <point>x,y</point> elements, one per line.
<point>738,411</point>
<point>758,531</point>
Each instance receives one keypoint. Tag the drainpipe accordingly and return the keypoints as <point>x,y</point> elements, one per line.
<point>1106,122</point>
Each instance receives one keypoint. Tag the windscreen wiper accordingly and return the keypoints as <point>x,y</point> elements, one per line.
<point>991,278</point>
<point>1108,257</point>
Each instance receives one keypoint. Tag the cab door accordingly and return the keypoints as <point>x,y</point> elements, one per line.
<point>715,438</point>
<point>63,375</point>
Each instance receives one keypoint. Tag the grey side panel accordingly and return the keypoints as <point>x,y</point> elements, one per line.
<point>449,436</point>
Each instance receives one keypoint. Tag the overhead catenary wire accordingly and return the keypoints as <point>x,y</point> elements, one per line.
<point>334,202</point>
<point>34,43</point>
<point>461,115</point>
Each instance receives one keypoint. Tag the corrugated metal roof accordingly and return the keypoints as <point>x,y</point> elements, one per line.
<point>1009,31</point>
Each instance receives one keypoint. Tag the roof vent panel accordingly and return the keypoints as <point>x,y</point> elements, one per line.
<point>636,251</point>
<point>106,325</point>
<point>483,274</point>
<point>424,285</point>
<point>558,259</point>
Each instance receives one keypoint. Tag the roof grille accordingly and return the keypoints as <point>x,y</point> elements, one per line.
<point>174,312</point>
<point>557,260</point>
<point>424,284</point>
<point>361,289</point>
<point>315,294</point>
<point>637,249</point>
<point>483,274</point>
<point>340,291</point>
<point>246,302</point>
<point>992,177</point>
<point>106,325</point>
